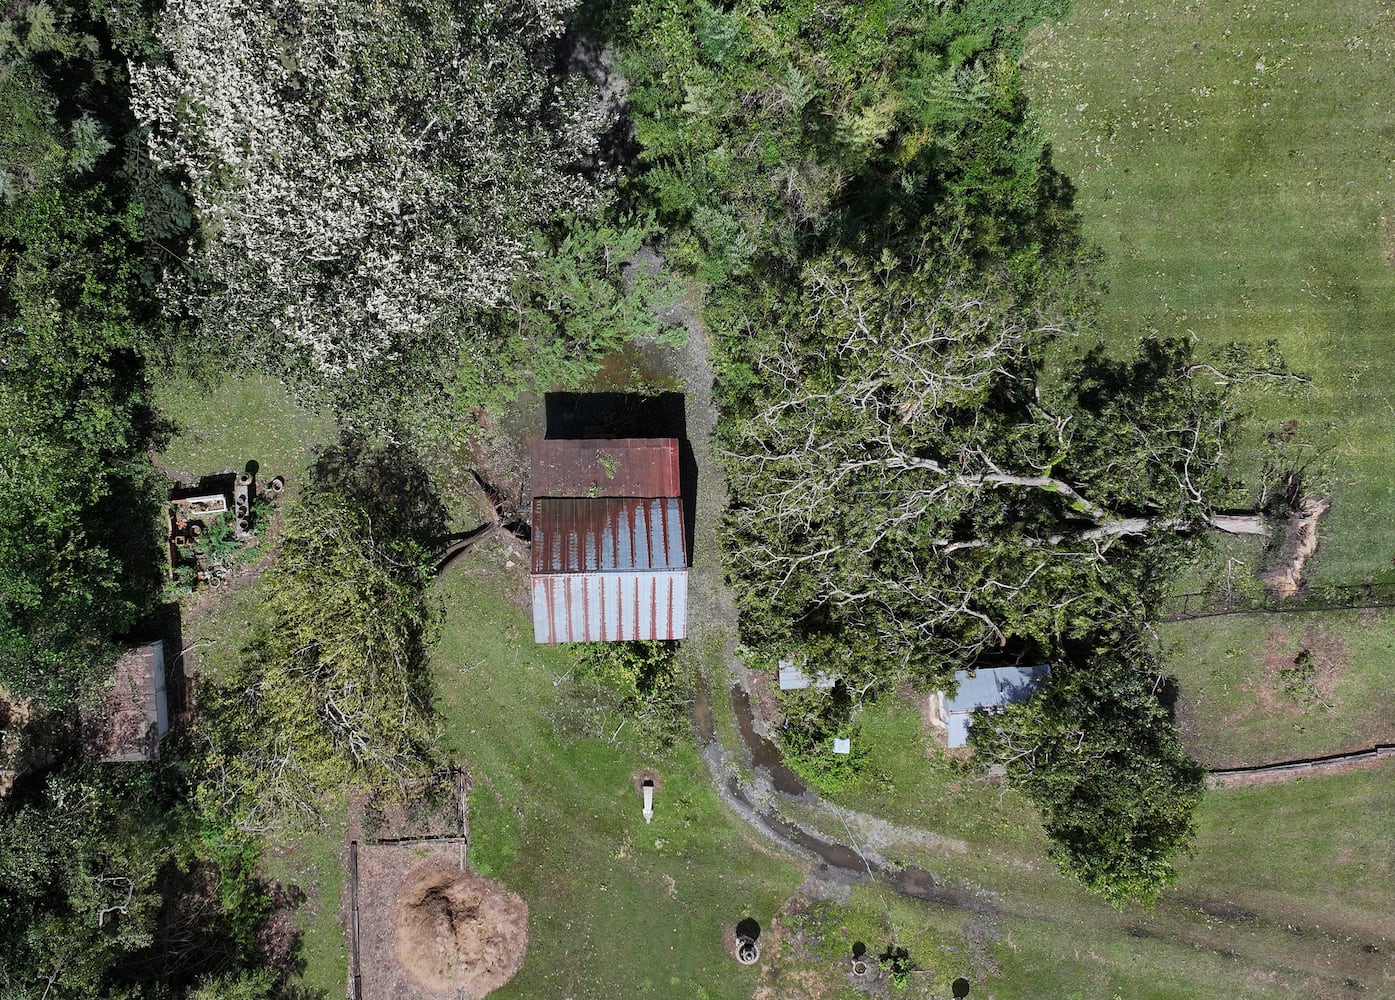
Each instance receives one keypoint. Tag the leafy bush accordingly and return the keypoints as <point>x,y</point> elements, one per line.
<point>813,718</point>
<point>1098,755</point>
<point>649,690</point>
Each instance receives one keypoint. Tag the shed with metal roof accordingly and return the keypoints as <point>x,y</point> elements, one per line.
<point>986,689</point>
<point>613,467</point>
<point>134,712</point>
<point>609,550</point>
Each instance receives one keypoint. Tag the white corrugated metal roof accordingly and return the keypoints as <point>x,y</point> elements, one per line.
<point>792,678</point>
<point>991,687</point>
<point>610,607</point>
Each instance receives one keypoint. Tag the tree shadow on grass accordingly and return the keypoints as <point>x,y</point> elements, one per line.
<point>388,483</point>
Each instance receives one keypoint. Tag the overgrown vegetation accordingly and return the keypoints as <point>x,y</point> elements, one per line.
<point>333,685</point>
<point>891,258</point>
<point>631,683</point>
<point>114,886</point>
<point>412,213</point>
<point>78,321</point>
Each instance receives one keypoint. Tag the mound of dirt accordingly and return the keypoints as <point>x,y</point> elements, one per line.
<point>459,931</point>
<point>1284,579</point>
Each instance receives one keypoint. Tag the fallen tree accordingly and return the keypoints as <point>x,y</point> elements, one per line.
<point>900,468</point>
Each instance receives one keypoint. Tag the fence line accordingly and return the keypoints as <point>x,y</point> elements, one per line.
<point>1185,607</point>
<point>356,973</point>
<point>1224,775</point>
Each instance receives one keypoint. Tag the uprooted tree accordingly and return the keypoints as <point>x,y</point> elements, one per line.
<point>902,471</point>
<point>913,494</point>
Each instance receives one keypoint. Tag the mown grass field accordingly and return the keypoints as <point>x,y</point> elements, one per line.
<point>618,907</point>
<point>1245,699</point>
<point>1233,161</point>
<point>1297,877</point>
<point>1286,893</point>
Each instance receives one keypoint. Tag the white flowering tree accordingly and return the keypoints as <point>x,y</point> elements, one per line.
<point>366,173</point>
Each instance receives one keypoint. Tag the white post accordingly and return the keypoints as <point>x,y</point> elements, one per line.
<point>648,801</point>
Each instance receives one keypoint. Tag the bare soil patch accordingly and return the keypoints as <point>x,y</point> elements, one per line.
<point>1284,579</point>
<point>1387,225</point>
<point>1296,673</point>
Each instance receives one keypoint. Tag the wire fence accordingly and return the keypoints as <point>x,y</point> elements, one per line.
<point>355,972</point>
<point>1185,607</point>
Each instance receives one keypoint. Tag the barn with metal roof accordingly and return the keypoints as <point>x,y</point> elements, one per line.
<point>609,560</point>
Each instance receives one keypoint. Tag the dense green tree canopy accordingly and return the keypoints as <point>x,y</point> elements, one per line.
<point>367,178</point>
<point>110,886</point>
<point>77,321</point>
<point>763,127</point>
<point>899,470</point>
<point>1098,755</point>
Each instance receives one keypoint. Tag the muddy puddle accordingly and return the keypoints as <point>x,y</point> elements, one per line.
<point>764,754</point>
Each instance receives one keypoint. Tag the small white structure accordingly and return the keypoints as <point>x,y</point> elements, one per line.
<point>983,689</point>
<point>842,746</point>
<point>648,787</point>
<point>794,679</point>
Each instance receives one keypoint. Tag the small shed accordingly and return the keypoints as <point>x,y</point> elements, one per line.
<point>609,550</point>
<point>987,689</point>
<point>793,678</point>
<point>134,714</point>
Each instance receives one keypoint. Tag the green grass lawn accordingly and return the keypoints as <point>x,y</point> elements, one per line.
<point>239,419</point>
<point>1316,849</point>
<point>618,908</point>
<point>1285,886</point>
<point>905,784</point>
<point>313,862</point>
<point>1244,700</point>
<point>1234,163</point>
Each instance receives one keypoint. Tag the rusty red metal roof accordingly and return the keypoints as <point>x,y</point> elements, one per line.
<point>608,569</point>
<point>617,467</point>
<point>609,551</point>
<point>608,534</point>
